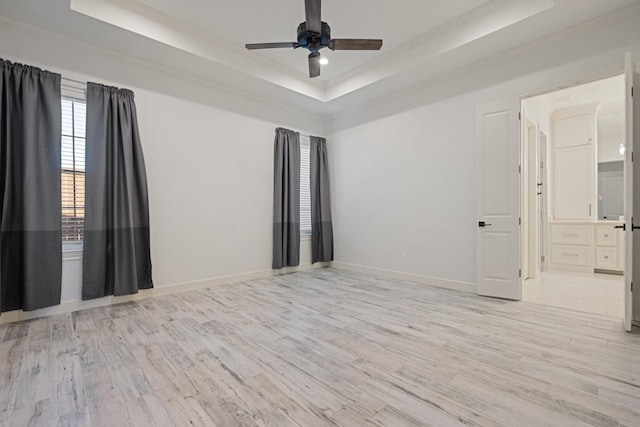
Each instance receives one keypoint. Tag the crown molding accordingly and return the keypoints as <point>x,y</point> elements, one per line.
<point>87,49</point>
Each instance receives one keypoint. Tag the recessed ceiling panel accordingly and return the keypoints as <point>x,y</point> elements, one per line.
<point>277,20</point>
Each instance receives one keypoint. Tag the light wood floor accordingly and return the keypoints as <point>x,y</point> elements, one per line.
<point>319,348</point>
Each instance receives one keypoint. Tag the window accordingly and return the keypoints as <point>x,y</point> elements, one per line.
<point>305,186</point>
<point>73,162</point>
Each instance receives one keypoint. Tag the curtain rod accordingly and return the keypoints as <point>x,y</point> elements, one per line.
<point>301,134</point>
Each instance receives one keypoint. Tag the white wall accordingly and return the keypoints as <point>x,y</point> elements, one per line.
<point>210,177</point>
<point>404,192</point>
<point>611,132</point>
<point>405,185</point>
<point>609,150</point>
<point>404,167</point>
<point>209,170</point>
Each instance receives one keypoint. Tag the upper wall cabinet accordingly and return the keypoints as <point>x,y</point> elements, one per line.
<point>574,189</point>
<point>574,164</point>
<point>575,131</point>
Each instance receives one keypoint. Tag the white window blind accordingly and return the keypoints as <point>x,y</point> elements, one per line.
<point>305,186</point>
<point>74,113</point>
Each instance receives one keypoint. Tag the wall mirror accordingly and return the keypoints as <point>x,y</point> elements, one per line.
<point>611,150</point>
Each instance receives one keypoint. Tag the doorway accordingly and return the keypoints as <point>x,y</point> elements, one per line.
<point>573,197</point>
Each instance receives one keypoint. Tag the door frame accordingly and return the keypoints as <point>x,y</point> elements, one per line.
<point>543,216</point>
<point>530,204</point>
<point>524,177</point>
<point>525,125</point>
<point>630,204</point>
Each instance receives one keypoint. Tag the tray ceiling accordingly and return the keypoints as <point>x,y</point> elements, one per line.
<point>423,39</point>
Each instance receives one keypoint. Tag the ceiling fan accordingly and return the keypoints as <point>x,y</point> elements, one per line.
<point>314,35</point>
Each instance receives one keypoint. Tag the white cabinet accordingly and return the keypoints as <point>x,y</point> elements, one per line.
<point>574,160</point>
<point>572,246</point>
<point>609,247</point>
<point>606,258</point>
<point>574,183</point>
<point>575,131</point>
<point>586,246</point>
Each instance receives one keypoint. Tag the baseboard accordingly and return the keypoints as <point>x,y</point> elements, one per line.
<point>606,271</point>
<point>77,305</point>
<point>426,280</point>
<point>571,268</point>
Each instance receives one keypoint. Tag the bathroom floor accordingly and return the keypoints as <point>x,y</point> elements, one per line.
<point>592,293</point>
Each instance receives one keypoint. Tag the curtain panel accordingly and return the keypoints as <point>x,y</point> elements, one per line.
<point>286,199</point>
<point>30,200</point>
<point>321,224</point>
<point>117,258</point>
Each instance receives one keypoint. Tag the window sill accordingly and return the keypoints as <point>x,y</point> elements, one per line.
<point>71,250</point>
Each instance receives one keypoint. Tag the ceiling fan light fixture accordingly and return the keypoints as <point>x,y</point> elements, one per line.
<point>314,35</point>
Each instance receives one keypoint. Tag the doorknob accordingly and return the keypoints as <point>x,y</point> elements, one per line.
<point>483,224</point>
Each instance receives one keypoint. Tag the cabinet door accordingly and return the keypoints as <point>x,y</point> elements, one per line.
<point>574,183</point>
<point>607,258</point>
<point>575,131</point>
<point>607,235</point>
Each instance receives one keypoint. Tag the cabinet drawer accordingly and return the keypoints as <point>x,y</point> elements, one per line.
<point>573,255</point>
<point>571,234</point>
<point>607,258</point>
<point>607,235</point>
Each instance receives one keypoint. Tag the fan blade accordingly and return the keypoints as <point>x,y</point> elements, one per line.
<point>314,64</point>
<point>355,44</point>
<point>252,46</point>
<point>312,9</point>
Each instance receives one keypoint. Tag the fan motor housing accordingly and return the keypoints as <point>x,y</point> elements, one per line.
<point>313,41</point>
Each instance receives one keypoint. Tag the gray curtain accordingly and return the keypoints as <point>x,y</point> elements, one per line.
<point>116,259</point>
<point>30,201</point>
<point>321,225</point>
<point>286,199</point>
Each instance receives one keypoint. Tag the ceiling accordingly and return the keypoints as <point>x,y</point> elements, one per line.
<point>424,40</point>
<point>277,20</point>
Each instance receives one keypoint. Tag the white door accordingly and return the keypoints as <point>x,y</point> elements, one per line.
<point>544,210</point>
<point>498,200</point>
<point>632,199</point>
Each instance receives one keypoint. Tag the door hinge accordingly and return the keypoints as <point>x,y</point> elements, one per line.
<point>631,286</point>
<point>520,221</point>
<point>520,273</point>
<point>632,91</point>
<point>542,258</point>
<point>519,169</point>
<point>520,113</point>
